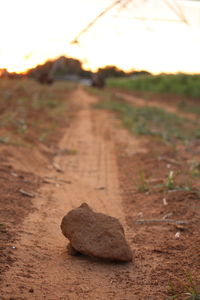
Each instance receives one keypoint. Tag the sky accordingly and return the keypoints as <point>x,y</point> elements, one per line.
<point>128,37</point>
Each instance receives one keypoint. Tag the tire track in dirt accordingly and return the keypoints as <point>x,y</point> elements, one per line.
<point>44,269</point>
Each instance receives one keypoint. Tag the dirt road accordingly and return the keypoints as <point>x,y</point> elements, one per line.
<point>92,174</point>
<point>43,266</point>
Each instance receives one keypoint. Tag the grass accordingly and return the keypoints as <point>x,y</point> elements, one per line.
<point>187,107</point>
<point>170,185</point>
<point>153,121</point>
<point>159,126</point>
<point>183,289</point>
<point>178,84</point>
<point>195,168</point>
<point>143,186</point>
<point>30,111</point>
<point>4,139</point>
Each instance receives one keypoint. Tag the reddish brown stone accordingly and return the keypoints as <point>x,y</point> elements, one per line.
<point>96,234</point>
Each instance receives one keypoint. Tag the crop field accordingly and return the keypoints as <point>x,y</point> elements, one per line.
<point>179,84</point>
<point>131,157</point>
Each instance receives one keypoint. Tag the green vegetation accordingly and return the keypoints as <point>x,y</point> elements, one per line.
<point>4,139</point>
<point>171,185</point>
<point>183,289</point>
<point>179,84</point>
<point>30,111</point>
<point>143,187</point>
<point>153,121</point>
<point>188,107</point>
<point>195,167</point>
<point>170,181</point>
<point>62,65</point>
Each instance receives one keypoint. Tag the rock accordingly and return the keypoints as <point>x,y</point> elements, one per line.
<point>96,234</point>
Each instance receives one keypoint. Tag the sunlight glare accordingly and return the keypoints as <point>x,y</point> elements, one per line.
<point>35,31</point>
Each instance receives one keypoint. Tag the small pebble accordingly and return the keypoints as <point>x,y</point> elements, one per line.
<point>164,201</point>
<point>177,235</point>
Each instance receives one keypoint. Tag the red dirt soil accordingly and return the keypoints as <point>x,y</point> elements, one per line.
<point>102,169</point>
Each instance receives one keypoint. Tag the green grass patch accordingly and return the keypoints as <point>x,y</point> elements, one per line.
<point>143,186</point>
<point>183,289</point>
<point>153,121</point>
<point>178,84</point>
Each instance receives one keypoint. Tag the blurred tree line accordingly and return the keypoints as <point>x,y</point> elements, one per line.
<point>64,67</point>
<point>69,66</point>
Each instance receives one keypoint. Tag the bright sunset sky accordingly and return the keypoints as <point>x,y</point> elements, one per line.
<point>34,30</point>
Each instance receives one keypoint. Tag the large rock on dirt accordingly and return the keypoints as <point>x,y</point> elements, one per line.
<point>96,234</point>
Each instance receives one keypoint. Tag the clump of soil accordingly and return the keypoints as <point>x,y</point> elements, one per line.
<point>96,234</point>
